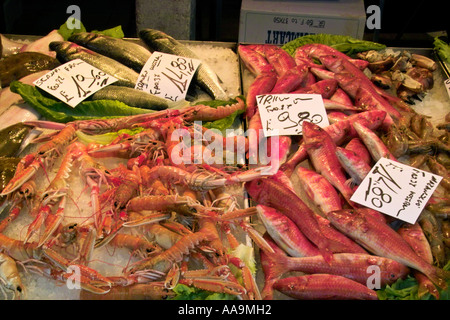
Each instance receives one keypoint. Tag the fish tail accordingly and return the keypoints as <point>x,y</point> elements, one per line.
<point>439,277</point>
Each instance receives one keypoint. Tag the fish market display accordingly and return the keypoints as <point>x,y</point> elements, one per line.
<point>166,203</point>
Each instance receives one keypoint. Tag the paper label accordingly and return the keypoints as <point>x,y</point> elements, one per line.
<point>283,114</point>
<point>447,86</point>
<point>74,81</point>
<point>167,76</point>
<point>396,189</point>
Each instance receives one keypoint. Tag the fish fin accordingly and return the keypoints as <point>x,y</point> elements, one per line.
<point>350,183</point>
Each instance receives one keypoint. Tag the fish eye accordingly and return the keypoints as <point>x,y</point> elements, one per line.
<point>258,182</point>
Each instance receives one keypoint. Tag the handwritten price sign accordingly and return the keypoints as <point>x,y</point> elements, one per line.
<point>283,114</point>
<point>167,76</point>
<point>74,81</point>
<point>396,189</point>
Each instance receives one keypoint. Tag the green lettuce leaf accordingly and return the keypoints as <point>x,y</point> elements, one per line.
<point>224,123</point>
<point>345,44</point>
<point>106,138</point>
<point>442,48</point>
<point>66,32</point>
<point>407,289</point>
<point>183,292</point>
<point>115,32</point>
<point>57,111</point>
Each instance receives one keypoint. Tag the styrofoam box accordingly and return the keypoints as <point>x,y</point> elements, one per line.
<point>278,22</point>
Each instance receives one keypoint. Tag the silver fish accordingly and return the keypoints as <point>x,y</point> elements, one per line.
<point>205,76</point>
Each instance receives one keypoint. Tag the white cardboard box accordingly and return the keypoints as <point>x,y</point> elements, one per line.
<point>278,22</point>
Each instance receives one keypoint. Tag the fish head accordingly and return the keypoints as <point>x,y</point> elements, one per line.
<point>389,270</point>
<point>256,188</point>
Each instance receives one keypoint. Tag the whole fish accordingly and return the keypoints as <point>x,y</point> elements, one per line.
<point>126,52</point>
<point>205,76</point>
<point>290,80</point>
<point>274,194</point>
<point>319,190</point>
<point>380,239</point>
<point>285,233</point>
<point>339,131</point>
<point>322,153</point>
<point>324,287</point>
<point>263,84</point>
<point>132,97</point>
<point>67,51</point>
<point>255,62</point>
<point>355,166</point>
<point>17,66</point>
<point>354,266</point>
<point>373,143</point>
<point>41,45</point>
<point>415,237</point>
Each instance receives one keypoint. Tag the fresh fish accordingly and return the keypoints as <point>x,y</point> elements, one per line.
<point>357,146</point>
<point>415,237</point>
<point>277,57</point>
<point>433,231</point>
<point>9,98</point>
<point>324,287</point>
<point>326,88</point>
<point>354,266</point>
<point>132,97</point>
<point>342,97</point>
<point>17,66</point>
<point>285,233</point>
<point>255,62</point>
<point>373,143</point>
<point>67,51</point>
<point>18,113</point>
<point>8,46</point>
<point>205,77</point>
<point>319,190</point>
<point>11,138</point>
<point>263,84</point>
<point>126,52</point>
<point>290,80</point>
<point>322,152</point>
<point>380,239</point>
<point>339,132</point>
<point>268,192</point>
<point>41,45</point>
<point>355,166</point>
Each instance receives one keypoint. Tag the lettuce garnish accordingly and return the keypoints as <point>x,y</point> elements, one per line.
<point>345,44</point>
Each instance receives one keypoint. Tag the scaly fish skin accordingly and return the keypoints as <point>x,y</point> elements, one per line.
<point>67,51</point>
<point>126,52</point>
<point>285,233</point>
<point>322,152</point>
<point>205,77</point>
<point>274,194</point>
<point>380,239</point>
<point>324,287</point>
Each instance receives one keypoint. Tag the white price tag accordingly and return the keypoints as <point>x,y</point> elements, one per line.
<point>74,81</point>
<point>447,86</point>
<point>283,114</point>
<point>167,76</point>
<point>396,189</point>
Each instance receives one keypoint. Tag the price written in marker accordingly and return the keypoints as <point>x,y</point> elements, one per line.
<point>396,189</point>
<point>74,81</point>
<point>283,114</point>
<point>167,76</point>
